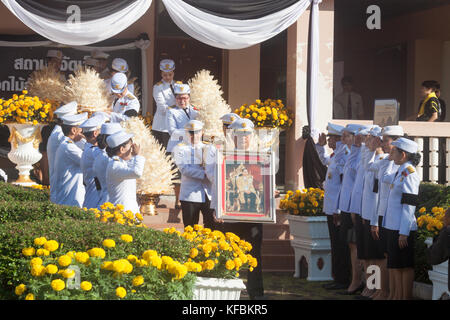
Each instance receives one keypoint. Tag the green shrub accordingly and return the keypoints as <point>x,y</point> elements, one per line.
<point>11,192</point>
<point>81,235</point>
<point>16,211</point>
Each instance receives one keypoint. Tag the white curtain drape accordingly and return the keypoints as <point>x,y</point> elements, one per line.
<point>80,33</point>
<point>231,33</point>
<point>314,68</point>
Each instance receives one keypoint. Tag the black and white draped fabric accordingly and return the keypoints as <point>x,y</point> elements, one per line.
<point>234,24</point>
<point>80,22</point>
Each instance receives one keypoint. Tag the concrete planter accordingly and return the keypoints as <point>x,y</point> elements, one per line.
<point>439,276</point>
<point>311,243</point>
<point>218,289</point>
<point>422,290</point>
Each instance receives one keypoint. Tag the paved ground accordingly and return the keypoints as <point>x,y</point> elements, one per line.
<point>283,286</point>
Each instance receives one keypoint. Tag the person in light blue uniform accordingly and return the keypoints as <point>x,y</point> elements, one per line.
<point>400,221</point>
<point>334,135</point>
<point>68,175</point>
<point>195,191</point>
<point>371,250</point>
<point>332,188</point>
<point>125,105</point>
<point>347,231</point>
<point>102,159</point>
<point>91,130</point>
<point>176,118</point>
<point>55,140</point>
<point>384,166</point>
<point>121,174</point>
<point>356,194</point>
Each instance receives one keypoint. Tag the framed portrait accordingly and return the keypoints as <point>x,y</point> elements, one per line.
<point>245,186</point>
<point>386,112</point>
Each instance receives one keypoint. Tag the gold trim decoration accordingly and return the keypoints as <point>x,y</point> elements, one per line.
<point>15,136</point>
<point>148,204</point>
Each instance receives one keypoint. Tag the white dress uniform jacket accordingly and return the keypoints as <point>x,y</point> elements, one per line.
<point>349,176</point>
<point>400,212</point>
<point>195,186</point>
<point>175,121</point>
<point>100,165</point>
<point>324,157</point>
<point>122,105</point>
<point>69,177</point>
<point>90,153</point>
<point>370,197</point>
<point>164,98</point>
<point>121,178</point>
<point>356,197</point>
<point>54,141</point>
<point>332,183</point>
<point>383,167</point>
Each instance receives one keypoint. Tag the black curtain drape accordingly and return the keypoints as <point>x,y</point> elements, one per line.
<point>89,9</point>
<point>314,171</point>
<point>241,9</point>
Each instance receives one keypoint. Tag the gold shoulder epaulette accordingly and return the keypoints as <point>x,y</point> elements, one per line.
<point>130,96</point>
<point>410,169</point>
<point>170,107</point>
<point>206,142</point>
<point>159,83</point>
<point>178,82</point>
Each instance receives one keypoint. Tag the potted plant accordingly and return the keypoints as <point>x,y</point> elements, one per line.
<point>308,225</point>
<point>24,115</point>
<point>217,259</point>
<point>429,225</point>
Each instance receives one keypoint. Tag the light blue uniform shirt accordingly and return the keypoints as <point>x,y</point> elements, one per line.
<point>401,216</point>
<point>121,178</point>
<point>54,141</point>
<point>332,183</point>
<point>92,197</point>
<point>100,165</point>
<point>69,177</point>
<point>383,167</point>
<point>176,119</point>
<point>356,197</point>
<point>369,197</point>
<point>195,185</point>
<point>350,170</point>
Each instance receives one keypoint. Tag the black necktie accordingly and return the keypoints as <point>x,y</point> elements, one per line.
<point>185,110</point>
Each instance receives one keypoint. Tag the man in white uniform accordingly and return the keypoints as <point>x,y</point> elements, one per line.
<point>122,172</point>
<point>91,130</point>
<point>126,104</point>
<point>55,140</point>
<point>68,176</point>
<point>164,95</point>
<point>195,192</point>
<point>102,66</point>
<point>176,118</point>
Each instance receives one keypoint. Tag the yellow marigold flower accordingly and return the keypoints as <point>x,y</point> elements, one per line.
<point>20,289</point>
<point>121,292</point>
<point>137,281</point>
<point>82,257</point>
<point>36,261</point>
<point>64,261</point>
<point>27,252</point>
<point>97,252</point>
<point>156,262</point>
<point>40,241</point>
<point>120,207</point>
<point>58,284</point>
<point>86,286</point>
<point>107,265</point>
<point>230,265</point>
<point>139,217</point>
<point>132,258</point>
<point>38,270</point>
<point>68,273</point>
<point>148,254</point>
<point>51,245</point>
<point>51,269</point>
<point>109,243</point>
<point>126,238</point>
<point>193,253</point>
<point>237,262</point>
<point>29,296</point>
<point>209,264</point>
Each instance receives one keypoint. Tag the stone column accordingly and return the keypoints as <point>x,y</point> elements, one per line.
<point>296,86</point>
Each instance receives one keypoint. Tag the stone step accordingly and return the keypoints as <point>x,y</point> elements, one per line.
<point>278,263</point>
<point>282,247</point>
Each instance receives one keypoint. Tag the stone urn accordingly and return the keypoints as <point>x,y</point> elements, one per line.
<point>24,140</point>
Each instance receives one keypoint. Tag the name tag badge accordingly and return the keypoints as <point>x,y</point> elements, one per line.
<point>329,176</point>
<point>392,186</point>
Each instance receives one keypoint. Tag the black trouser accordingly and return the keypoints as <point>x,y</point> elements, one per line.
<point>191,213</point>
<point>252,233</point>
<point>161,137</point>
<point>340,254</point>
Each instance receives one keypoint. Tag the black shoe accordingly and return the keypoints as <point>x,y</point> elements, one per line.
<point>360,288</point>
<point>328,285</point>
<point>338,286</point>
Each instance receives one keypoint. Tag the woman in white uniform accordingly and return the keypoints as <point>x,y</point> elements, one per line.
<point>122,172</point>
<point>382,167</point>
<point>400,221</point>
